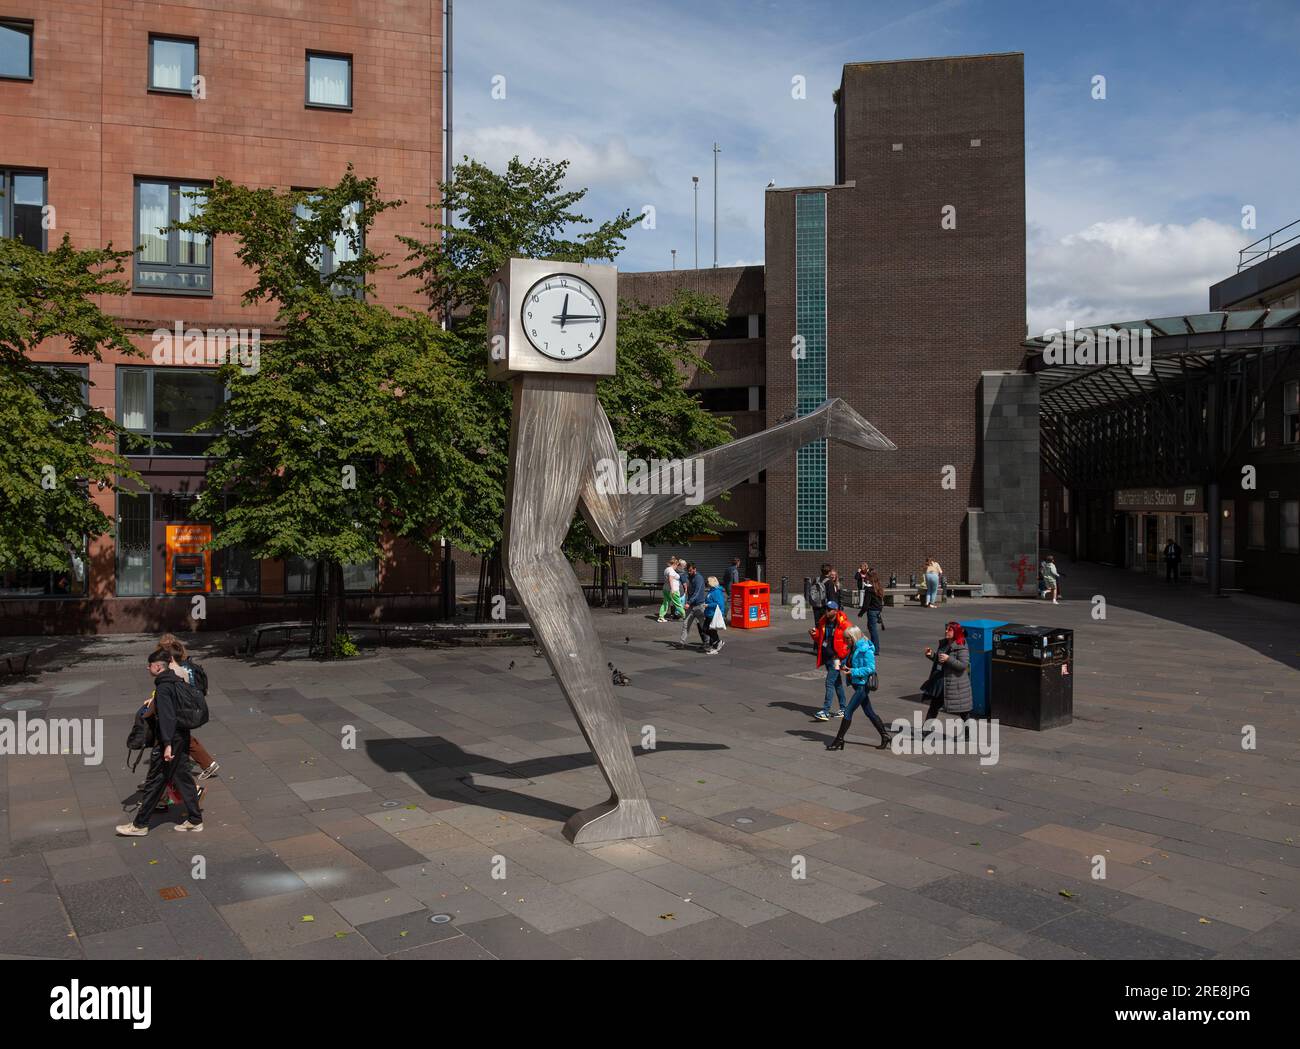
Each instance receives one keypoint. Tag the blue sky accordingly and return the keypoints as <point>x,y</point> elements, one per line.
<point>1133,203</point>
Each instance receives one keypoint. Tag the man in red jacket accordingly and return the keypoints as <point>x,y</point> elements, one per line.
<point>832,646</point>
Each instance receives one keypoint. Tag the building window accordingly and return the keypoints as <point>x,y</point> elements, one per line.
<point>1291,412</point>
<point>173,64</point>
<point>329,80</point>
<point>16,49</point>
<point>238,571</point>
<point>300,576</point>
<point>346,247</point>
<point>22,207</point>
<point>810,366</point>
<point>170,260</point>
<point>134,549</point>
<point>164,404</point>
<point>1255,537</point>
<point>1257,428</point>
<point>1291,526</point>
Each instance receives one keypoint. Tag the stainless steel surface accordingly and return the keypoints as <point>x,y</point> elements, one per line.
<point>620,519</point>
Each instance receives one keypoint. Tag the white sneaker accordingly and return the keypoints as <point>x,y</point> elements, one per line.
<point>193,828</point>
<point>718,648</point>
<point>662,619</point>
<point>130,830</point>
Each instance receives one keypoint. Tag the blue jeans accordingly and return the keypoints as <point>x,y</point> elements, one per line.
<point>931,588</point>
<point>834,684</point>
<point>873,628</point>
<point>861,698</point>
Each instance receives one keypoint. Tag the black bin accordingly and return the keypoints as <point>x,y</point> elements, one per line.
<point>1033,676</point>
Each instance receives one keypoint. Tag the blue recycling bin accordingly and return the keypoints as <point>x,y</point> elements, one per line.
<point>979,643</point>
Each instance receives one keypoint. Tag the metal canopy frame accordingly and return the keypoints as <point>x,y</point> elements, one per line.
<point>1104,426</point>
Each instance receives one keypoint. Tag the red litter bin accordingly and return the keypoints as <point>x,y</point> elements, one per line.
<point>751,605</point>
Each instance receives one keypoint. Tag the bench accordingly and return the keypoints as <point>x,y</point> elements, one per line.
<point>384,631</point>
<point>916,593</point>
<point>18,650</point>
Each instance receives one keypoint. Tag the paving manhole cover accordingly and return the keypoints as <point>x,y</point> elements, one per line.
<point>743,819</point>
<point>21,704</point>
<point>440,919</point>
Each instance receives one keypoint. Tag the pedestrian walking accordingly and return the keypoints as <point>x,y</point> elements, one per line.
<point>1051,579</point>
<point>672,590</point>
<point>730,577</point>
<point>952,668</point>
<point>183,666</point>
<point>873,605</point>
<point>832,647</point>
<point>715,615</point>
<point>861,670</point>
<point>817,594</point>
<point>831,587</point>
<point>695,594</point>
<point>172,700</point>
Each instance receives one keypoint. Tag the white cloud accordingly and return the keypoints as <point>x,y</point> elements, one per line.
<point>1126,269</point>
<point>608,162</point>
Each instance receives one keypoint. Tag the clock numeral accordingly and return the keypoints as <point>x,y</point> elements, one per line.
<point>534,331</point>
<point>530,313</point>
<point>537,298</point>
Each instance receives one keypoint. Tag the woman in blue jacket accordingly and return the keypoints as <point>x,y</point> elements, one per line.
<point>861,668</point>
<point>716,601</point>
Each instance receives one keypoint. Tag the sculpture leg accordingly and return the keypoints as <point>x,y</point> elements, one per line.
<point>550,456</point>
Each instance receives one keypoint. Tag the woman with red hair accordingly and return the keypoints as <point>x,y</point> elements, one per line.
<point>952,660</point>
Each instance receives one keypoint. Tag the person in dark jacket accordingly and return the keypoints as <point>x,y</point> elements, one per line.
<point>169,762</point>
<point>730,577</point>
<point>954,659</point>
<point>184,667</point>
<point>873,604</point>
<point>695,594</point>
<point>1173,558</point>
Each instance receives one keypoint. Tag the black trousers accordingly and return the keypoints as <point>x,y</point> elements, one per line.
<point>164,773</point>
<point>933,712</point>
<point>1171,571</point>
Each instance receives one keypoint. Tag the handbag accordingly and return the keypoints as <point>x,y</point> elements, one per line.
<point>933,687</point>
<point>873,681</point>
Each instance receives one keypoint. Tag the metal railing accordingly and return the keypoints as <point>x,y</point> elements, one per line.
<point>1266,247</point>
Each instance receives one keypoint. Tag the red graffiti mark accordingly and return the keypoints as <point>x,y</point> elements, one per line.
<point>1022,570</point>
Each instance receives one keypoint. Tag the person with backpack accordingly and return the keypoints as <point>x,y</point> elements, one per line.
<point>861,670</point>
<point>178,707</point>
<point>183,666</point>
<point>832,647</point>
<point>817,596</point>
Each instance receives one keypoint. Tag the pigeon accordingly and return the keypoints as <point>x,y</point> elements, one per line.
<point>537,652</point>
<point>627,640</point>
<point>511,666</point>
<point>617,676</point>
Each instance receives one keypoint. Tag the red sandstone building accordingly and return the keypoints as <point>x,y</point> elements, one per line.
<point>110,110</point>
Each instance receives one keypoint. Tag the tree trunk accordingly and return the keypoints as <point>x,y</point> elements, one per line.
<point>335,576</point>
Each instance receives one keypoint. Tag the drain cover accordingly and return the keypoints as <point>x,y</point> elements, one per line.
<point>390,804</point>
<point>21,704</point>
<point>440,919</point>
<point>743,819</point>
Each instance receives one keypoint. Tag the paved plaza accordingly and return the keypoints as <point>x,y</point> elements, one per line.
<point>467,762</point>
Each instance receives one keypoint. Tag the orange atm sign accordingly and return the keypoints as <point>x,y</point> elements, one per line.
<point>189,566</point>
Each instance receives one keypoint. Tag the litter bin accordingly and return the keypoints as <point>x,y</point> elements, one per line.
<point>979,643</point>
<point>1032,682</point>
<point>751,605</point>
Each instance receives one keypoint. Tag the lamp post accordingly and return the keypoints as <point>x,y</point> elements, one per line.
<point>674,251</point>
<point>716,151</point>
<point>695,181</point>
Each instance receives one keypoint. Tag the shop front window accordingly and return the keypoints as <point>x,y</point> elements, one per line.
<point>134,549</point>
<point>300,576</point>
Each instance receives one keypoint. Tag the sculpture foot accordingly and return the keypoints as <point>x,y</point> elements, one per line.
<point>612,820</point>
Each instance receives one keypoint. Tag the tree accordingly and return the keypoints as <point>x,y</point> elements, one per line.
<point>355,425</point>
<point>525,212</point>
<point>54,443</point>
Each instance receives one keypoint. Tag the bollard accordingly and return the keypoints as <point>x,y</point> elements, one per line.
<point>785,590</point>
<point>624,597</point>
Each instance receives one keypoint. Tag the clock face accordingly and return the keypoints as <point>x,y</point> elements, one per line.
<point>563,317</point>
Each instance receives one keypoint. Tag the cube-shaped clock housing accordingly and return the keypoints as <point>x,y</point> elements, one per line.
<point>572,307</point>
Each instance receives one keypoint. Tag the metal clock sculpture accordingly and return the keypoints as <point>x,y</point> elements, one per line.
<point>552,332</point>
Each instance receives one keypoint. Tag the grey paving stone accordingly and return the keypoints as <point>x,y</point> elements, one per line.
<point>636,902</point>
<point>107,905</point>
<point>509,938</point>
<point>1100,937</point>
<point>612,940</point>
<point>722,940</point>
<point>452,949</point>
<point>1012,905</point>
<point>404,931</point>
<point>151,941</point>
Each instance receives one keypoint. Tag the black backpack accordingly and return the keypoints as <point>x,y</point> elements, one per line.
<point>141,738</point>
<point>191,706</point>
<point>200,676</point>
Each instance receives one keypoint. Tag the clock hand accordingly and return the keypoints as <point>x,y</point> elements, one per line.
<point>564,312</point>
<point>576,317</point>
